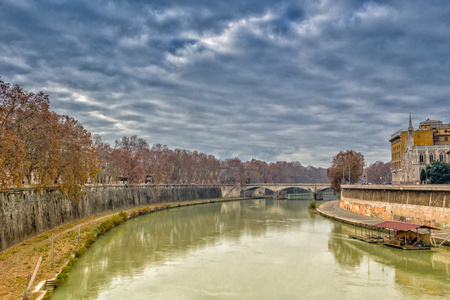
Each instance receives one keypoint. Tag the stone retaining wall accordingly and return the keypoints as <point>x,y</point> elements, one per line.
<point>25,213</point>
<point>422,204</point>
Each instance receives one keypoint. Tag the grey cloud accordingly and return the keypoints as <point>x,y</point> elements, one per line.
<point>263,79</point>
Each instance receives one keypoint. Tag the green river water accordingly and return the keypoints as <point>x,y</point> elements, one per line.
<point>253,249</point>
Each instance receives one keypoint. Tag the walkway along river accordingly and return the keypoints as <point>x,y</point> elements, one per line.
<point>254,249</point>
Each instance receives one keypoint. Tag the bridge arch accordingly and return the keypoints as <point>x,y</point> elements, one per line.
<point>279,190</point>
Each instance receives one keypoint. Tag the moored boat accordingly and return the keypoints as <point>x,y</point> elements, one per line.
<point>407,236</point>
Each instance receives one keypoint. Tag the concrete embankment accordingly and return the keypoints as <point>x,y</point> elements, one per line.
<point>27,212</point>
<point>333,211</point>
<point>420,204</point>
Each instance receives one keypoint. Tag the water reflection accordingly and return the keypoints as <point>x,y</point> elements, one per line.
<point>417,272</point>
<point>254,249</point>
<point>129,249</point>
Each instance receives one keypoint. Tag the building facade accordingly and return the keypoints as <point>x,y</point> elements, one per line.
<point>412,150</point>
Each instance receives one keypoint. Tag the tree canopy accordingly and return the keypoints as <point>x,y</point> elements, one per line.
<point>423,176</point>
<point>133,161</point>
<point>379,172</point>
<point>345,167</point>
<point>39,146</point>
<point>438,172</point>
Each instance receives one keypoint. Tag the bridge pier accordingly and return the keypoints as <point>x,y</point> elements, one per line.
<point>316,196</point>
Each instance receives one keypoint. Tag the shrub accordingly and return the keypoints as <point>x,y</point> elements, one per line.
<point>105,226</point>
<point>116,219</point>
<point>313,204</point>
<point>144,210</point>
<point>79,251</point>
<point>90,239</point>
<point>134,214</point>
<point>64,275</point>
<point>62,278</point>
<point>124,215</point>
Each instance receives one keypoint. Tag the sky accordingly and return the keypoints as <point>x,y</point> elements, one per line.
<point>270,80</point>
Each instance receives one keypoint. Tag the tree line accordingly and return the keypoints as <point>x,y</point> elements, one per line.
<point>132,160</point>
<point>41,147</point>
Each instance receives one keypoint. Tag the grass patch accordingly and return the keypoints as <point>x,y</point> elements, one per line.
<point>313,204</point>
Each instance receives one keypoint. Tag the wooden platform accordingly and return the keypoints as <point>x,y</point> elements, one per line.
<point>367,238</point>
<point>407,247</point>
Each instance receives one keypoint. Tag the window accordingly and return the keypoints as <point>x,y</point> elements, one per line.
<point>421,157</point>
<point>446,138</point>
<point>441,157</point>
<point>431,157</point>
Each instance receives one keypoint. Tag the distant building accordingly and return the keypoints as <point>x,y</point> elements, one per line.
<point>413,149</point>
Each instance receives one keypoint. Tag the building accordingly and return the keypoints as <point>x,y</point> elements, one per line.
<point>412,150</point>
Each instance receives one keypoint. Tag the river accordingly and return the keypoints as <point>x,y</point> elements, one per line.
<point>253,249</point>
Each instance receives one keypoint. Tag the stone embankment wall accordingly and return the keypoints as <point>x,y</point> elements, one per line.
<point>421,204</point>
<point>25,213</point>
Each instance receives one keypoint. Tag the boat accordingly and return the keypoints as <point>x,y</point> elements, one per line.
<point>407,236</point>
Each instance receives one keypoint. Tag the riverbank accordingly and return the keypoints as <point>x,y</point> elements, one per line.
<point>27,212</point>
<point>18,262</point>
<point>332,211</point>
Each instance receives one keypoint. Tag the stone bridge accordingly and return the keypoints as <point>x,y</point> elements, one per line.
<point>278,189</point>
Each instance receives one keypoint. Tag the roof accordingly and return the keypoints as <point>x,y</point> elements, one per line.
<point>399,225</point>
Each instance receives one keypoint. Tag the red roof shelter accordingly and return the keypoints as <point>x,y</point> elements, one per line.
<point>401,225</point>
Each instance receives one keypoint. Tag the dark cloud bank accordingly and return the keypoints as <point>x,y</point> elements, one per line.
<point>273,80</point>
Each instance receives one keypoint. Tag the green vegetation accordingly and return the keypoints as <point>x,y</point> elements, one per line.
<point>107,225</point>
<point>134,214</point>
<point>143,210</point>
<point>438,172</point>
<point>423,176</point>
<point>124,215</point>
<point>313,204</point>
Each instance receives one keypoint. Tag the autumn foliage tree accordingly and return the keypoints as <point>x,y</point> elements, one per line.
<point>379,172</point>
<point>131,161</point>
<point>107,169</point>
<point>39,146</point>
<point>129,156</point>
<point>345,167</point>
<point>22,119</point>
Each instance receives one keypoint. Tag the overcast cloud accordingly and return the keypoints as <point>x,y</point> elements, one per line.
<point>272,80</point>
